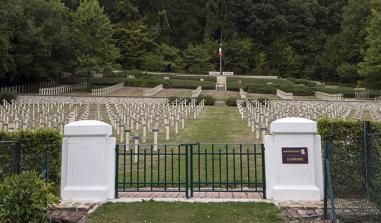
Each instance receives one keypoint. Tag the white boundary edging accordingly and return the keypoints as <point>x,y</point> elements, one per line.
<point>152,91</point>
<point>190,200</point>
<point>284,95</point>
<point>242,93</point>
<point>62,89</point>
<point>329,97</point>
<point>217,73</point>
<point>107,90</point>
<point>196,92</point>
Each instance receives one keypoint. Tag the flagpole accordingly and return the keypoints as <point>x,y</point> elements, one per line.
<point>220,52</point>
<point>220,59</point>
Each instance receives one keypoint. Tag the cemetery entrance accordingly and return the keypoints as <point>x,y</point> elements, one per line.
<point>190,168</point>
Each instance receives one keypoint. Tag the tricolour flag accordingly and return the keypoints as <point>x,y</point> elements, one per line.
<point>220,53</point>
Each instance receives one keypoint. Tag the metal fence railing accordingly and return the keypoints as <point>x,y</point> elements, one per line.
<point>13,160</point>
<point>328,187</point>
<point>352,190</point>
<point>190,168</point>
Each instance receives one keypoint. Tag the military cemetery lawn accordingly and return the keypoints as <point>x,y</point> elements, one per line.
<point>217,125</point>
<point>185,212</point>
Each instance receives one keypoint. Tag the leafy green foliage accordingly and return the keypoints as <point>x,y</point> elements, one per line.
<point>92,37</point>
<point>346,155</point>
<point>133,41</point>
<point>25,198</point>
<point>209,100</point>
<point>34,40</point>
<point>7,97</point>
<point>165,58</point>
<point>370,69</point>
<point>237,55</point>
<point>231,101</point>
<point>196,59</point>
<point>33,144</point>
<point>318,40</point>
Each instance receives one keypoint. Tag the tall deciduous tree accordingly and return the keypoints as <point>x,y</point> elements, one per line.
<point>92,37</point>
<point>34,39</point>
<point>196,59</point>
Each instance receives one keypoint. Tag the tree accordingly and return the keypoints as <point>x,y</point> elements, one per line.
<point>196,59</point>
<point>237,55</point>
<point>370,68</point>
<point>133,41</point>
<point>92,37</point>
<point>34,40</point>
<point>163,58</point>
<point>293,62</point>
<point>267,20</point>
<point>352,39</point>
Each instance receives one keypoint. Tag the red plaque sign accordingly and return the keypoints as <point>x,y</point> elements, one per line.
<point>294,155</point>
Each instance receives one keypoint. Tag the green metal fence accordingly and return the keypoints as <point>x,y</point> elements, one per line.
<point>10,158</point>
<point>13,160</point>
<point>328,187</point>
<point>352,166</point>
<point>189,168</point>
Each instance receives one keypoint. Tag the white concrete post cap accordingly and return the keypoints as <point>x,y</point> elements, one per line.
<point>293,125</point>
<point>87,127</point>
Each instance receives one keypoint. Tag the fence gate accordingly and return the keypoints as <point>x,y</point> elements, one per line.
<point>190,168</point>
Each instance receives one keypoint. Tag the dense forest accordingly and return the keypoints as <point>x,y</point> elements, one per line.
<point>326,40</point>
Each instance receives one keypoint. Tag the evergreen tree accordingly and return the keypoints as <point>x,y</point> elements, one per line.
<point>370,68</point>
<point>352,38</point>
<point>133,41</point>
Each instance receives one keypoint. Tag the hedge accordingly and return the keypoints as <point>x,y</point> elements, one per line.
<point>33,145</point>
<point>347,158</point>
<point>7,97</point>
<point>209,100</point>
<point>231,101</point>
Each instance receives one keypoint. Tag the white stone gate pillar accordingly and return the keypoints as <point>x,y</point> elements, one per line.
<point>293,161</point>
<point>88,162</point>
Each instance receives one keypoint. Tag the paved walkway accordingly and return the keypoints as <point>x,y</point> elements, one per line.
<point>198,195</point>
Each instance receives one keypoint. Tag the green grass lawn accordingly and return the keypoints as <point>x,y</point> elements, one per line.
<point>185,212</point>
<point>214,125</point>
<point>217,125</point>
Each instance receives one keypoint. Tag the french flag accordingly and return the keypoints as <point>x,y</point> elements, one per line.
<point>220,53</point>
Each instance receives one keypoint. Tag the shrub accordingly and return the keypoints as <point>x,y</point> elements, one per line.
<point>33,145</point>
<point>262,100</point>
<point>262,89</point>
<point>347,156</point>
<point>303,81</point>
<point>25,198</point>
<point>173,99</point>
<point>231,101</point>
<point>298,90</point>
<point>209,100</point>
<point>8,97</point>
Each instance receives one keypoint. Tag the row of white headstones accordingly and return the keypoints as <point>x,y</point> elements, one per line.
<point>290,96</point>
<point>107,90</point>
<point>62,89</point>
<point>259,115</point>
<point>135,120</point>
<point>27,87</point>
